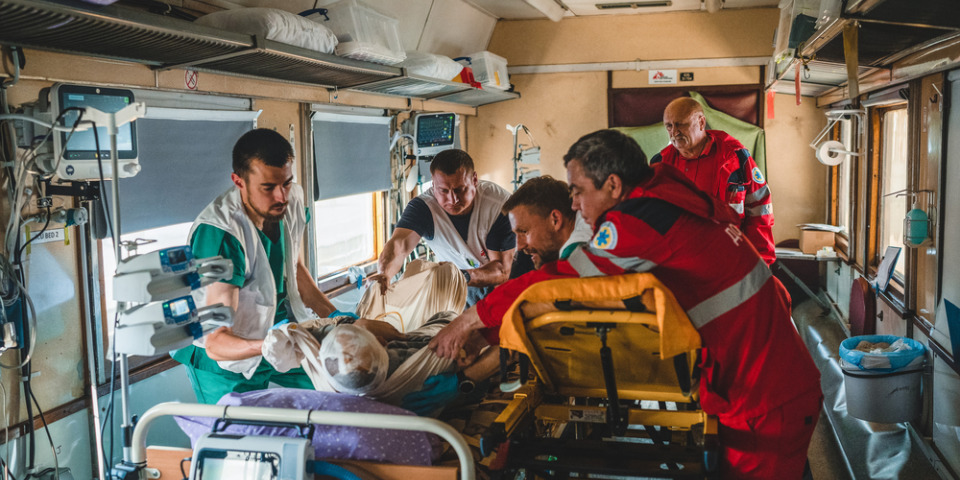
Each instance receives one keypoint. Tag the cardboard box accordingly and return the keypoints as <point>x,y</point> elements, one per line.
<point>813,240</point>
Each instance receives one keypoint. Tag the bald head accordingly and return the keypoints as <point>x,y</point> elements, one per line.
<point>687,127</point>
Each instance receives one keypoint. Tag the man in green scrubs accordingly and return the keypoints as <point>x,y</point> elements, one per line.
<point>259,224</point>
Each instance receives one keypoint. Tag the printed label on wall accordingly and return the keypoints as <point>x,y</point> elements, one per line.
<point>52,235</point>
<point>662,77</point>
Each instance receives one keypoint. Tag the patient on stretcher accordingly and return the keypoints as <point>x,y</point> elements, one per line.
<point>372,357</point>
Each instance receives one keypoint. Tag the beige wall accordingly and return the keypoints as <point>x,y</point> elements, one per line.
<point>557,108</point>
<point>798,182</point>
<point>618,38</point>
<point>560,107</point>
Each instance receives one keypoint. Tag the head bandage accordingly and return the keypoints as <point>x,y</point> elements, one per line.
<point>353,360</point>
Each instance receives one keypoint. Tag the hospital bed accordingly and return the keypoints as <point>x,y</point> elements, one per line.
<point>167,463</point>
<point>608,355</point>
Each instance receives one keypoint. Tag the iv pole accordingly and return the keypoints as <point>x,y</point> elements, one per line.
<point>126,115</point>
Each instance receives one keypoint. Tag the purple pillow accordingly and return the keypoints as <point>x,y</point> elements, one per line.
<point>330,441</point>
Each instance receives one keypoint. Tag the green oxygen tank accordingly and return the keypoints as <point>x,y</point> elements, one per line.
<point>917,225</point>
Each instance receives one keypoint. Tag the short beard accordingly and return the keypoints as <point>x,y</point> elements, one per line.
<point>545,259</point>
<point>266,216</point>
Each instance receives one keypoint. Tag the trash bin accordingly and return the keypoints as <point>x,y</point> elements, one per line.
<point>883,383</point>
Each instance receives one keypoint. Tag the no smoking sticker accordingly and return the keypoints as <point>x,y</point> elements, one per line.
<point>191,78</point>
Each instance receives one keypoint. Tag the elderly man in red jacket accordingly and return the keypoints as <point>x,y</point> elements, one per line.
<point>719,165</point>
<point>758,377</point>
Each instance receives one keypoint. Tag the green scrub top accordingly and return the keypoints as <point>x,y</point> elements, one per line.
<point>210,241</point>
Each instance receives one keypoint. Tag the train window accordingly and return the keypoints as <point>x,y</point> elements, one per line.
<point>843,178</point>
<point>893,179</point>
<point>345,229</point>
<point>842,188</point>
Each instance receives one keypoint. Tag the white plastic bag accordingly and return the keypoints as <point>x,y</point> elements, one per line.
<point>431,65</point>
<point>274,24</point>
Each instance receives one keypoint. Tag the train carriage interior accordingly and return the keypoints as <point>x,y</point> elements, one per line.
<point>132,346</point>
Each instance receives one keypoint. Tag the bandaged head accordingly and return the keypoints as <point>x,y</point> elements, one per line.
<point>353,360</point>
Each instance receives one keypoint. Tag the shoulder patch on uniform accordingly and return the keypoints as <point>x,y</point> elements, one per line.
<point>606,236</point>
<point>757,176</point>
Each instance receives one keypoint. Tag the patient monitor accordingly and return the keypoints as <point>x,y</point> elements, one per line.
<point>435,132</point>
<point>78,150</point>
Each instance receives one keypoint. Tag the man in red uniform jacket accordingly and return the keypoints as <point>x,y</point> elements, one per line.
<point>757,375</point>
<point>720,166</point>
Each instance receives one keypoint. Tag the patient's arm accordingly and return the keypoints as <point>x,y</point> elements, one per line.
<point>384,332</point>
<point>485,366</point>
<point>450,340</point>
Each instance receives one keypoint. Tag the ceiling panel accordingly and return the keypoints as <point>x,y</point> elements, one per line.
<point>517,9</point>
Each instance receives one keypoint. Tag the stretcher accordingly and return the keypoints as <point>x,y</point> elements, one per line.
<point>608,354</point>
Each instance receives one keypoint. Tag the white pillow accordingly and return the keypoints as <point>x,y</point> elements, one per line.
<point>274,24</point>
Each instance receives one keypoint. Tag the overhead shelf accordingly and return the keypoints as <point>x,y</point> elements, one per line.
<point>414,86</point>
<point>887,31</point>
<point>124,33</point>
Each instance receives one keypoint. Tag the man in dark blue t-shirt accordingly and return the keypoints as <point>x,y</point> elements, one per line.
<point>460,220</point>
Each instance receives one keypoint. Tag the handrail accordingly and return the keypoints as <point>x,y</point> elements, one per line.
<point>289,415</point>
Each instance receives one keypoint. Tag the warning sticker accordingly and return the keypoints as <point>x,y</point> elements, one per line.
<point>590,416</point>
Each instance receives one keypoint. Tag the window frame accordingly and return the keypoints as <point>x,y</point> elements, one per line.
<point>898,287</point>
<point>337,282</point>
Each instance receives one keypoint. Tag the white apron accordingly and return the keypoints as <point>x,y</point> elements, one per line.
<point>447,243</point>
<point>258,296</point>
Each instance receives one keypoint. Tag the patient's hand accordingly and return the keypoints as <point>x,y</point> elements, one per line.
<point>380,279</point>
<point>384,332</point>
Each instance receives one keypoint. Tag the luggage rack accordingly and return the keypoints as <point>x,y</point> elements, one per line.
<point>164,43</point>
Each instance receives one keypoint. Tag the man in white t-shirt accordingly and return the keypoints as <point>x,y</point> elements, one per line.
<point>460,220</point>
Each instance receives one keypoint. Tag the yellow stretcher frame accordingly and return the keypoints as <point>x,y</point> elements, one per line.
<point>582,349</point>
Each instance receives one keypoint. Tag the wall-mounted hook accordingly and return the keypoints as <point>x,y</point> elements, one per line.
<point>935,98</point>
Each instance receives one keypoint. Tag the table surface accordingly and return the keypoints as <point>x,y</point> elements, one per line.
<point>796,254</point>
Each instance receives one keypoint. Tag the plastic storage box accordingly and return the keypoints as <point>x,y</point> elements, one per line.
<point>489,69</point>
<point>363,33</point>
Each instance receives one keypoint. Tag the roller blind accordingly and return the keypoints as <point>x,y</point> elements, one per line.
<point>185,162</point>
<point>351,154</point>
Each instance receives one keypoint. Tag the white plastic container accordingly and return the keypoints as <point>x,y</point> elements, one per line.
<point>489,69</point>
<point>363,33</point>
